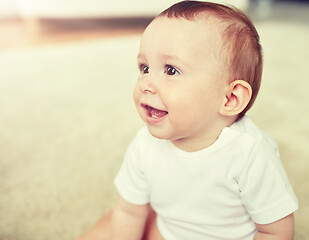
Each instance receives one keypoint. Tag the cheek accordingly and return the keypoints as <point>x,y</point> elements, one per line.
<point>180,106</point>
<point>136,95</point>
<point>190,106</point>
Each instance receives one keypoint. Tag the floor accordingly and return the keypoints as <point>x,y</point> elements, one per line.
<point>58,107</point>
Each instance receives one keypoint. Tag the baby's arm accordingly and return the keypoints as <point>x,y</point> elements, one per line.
<point>282,229</point>
<point>128,220</point>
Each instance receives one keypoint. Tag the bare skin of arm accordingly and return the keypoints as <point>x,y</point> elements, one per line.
<point>100,231</point>
<point>282,229</point>
<point>138,221</point>
<point>128,220</point>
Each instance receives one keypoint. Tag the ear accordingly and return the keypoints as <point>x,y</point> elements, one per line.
<point>237,98</point>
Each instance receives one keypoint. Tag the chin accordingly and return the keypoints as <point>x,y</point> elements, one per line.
<point>162,133</point>
<point>156,132</point>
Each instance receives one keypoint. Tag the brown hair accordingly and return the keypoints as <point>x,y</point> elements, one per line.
<point>240,40</point>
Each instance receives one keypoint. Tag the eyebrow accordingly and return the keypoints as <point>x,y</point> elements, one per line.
<point>175,58</point>
<point>167,57</point>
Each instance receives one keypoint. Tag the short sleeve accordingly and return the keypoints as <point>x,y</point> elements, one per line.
<point>130,181</point>
<point>264,186</point>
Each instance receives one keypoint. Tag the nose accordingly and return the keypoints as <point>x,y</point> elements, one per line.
<point>147,84</point>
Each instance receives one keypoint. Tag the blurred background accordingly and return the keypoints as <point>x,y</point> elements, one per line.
<point>67,70</point>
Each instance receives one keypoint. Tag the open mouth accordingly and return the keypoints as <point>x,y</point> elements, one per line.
<point>153,112</point>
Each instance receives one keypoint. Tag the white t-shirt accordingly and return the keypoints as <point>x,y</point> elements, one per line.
<point>219,192</point>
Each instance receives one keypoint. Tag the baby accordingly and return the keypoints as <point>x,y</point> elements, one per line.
<point>200,169</point>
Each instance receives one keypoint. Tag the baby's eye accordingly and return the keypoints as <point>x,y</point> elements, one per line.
<point>144,69</point>
<point>170,70</point>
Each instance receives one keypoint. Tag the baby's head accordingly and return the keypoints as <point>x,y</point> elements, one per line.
<point>200,64</point>
<point>241,51</point>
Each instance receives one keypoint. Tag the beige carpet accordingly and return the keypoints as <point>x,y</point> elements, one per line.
<point>66,118</point>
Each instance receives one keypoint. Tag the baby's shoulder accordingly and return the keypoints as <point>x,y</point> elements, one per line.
<point>250,132</point>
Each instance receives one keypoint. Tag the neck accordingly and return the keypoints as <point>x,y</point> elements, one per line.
<point>203,140</point>
<point>193,145</point>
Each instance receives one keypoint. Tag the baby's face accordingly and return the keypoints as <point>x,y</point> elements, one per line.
<point>179,89</point>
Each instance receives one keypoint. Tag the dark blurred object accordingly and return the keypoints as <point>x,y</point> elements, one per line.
<point>292,1</point>
<point>280,10</point>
